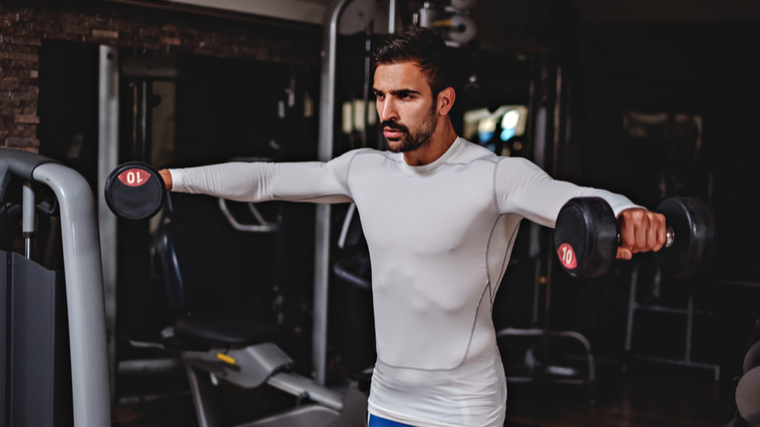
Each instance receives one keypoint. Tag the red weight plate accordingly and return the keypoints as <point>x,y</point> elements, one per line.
<point>134,177</point>
<point>566,256</point>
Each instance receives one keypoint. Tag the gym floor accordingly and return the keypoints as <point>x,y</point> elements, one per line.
<point>644,395</point>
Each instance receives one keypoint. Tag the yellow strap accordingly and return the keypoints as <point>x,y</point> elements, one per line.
<point>226,359</point>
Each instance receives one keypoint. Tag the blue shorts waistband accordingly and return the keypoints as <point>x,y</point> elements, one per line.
<point>375,421</point>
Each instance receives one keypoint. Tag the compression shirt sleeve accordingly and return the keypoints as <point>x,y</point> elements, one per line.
<point>523,188</point>
<point>318,182</point>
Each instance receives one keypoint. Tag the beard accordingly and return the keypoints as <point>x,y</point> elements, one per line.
<point>411,140</point>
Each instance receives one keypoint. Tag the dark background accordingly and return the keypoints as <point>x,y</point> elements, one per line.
<point>680,58</point>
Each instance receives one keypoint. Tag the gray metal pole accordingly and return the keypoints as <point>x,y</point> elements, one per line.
<point>84,293</point>
<point>325,153</point>
<point>108,160</point>
<point>392,17</point>
<point>28,218</point>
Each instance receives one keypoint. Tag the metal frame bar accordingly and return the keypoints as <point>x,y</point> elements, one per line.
<point>391,16</point>
<point>221,13</point>
<point>291,10</point>
<point>689,312</point>
<point>203,399</point>
<point>590,380</point>
<point>262,227</point>
<point>301,386</point>
<point>108,160</point>
<point>84,293</point>
<point>325,153</point>
<point>28,218</point>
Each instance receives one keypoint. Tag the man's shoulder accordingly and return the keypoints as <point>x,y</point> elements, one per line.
<point>516,167</point>
<point>518,163</point>
<point>471,152</point>
<point>366,158</point>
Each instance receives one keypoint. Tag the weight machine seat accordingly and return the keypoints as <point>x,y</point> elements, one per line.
<point>202,277</point>
<point>224,330</point>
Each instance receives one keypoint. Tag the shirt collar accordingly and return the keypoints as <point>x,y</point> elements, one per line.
<point>455,147</point>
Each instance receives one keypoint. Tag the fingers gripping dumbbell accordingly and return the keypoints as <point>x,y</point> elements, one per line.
<point>586,236</point>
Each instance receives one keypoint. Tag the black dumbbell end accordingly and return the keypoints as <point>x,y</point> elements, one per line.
<point>585,237</point>
<point>694,236</point>
<point>135,191</point>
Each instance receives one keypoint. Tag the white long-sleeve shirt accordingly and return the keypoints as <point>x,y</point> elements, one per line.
<point>440,238</point>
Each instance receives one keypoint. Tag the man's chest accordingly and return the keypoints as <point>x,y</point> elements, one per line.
<point>426,214</point>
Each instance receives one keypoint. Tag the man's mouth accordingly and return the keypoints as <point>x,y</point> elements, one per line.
<point>392,133</point>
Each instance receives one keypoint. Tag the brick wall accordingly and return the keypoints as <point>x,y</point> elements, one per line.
<point>23,29</point>
<point>19,70</point>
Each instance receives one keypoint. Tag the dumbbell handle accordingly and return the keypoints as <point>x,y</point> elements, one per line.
<point>670,237</point>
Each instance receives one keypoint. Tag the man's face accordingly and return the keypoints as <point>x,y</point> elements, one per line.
<point>405,106</point>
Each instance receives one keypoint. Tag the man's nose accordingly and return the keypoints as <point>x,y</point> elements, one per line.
<point>387,110</point>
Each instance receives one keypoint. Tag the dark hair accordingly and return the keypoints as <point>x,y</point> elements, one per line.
<point>421,46</point>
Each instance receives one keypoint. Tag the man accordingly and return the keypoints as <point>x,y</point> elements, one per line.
<point>440,215</point>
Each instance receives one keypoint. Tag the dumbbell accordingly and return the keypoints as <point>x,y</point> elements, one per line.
<point>586,236</point>
<point>135,191</point>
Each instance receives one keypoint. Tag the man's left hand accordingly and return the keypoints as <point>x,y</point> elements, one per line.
<point>641,230</point>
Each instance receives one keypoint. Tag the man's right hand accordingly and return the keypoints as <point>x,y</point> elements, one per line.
<point>167,176</point>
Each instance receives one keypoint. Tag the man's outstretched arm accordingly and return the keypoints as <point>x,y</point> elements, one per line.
<point>523,188</point>
<point>319,182</point>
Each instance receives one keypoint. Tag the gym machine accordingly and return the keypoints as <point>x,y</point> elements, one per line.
<point>219,345</point>
<point>452,18</point>
<point>38,385</point>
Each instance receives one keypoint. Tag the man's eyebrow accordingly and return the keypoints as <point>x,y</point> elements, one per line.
<point>398,91</point>
<point>405,92</point>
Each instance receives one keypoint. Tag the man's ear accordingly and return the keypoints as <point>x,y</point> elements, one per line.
<point>446,100</point>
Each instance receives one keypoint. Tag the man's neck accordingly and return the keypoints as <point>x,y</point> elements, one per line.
<point>436,146</point>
